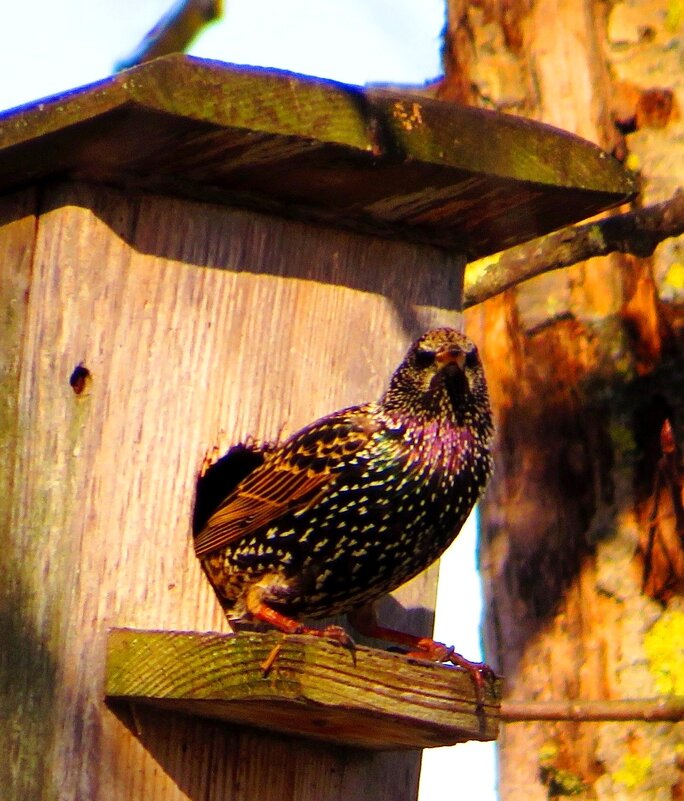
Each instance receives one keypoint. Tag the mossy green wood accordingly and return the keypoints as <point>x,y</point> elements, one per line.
<point>372,160</point>
<point>369,698</point>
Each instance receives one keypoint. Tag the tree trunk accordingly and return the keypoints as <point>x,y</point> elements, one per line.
<point>582,526</point>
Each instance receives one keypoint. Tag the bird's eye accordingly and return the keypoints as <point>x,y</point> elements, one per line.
<point>424,358</point>
<point>472,359</point>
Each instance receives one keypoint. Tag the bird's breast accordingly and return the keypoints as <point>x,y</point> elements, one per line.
<point>442,449</point>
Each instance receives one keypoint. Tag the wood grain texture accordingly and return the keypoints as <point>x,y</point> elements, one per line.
<point>191,319</point>
<point>27,669</point>
<point>369,698</point>
<point>383,162</point>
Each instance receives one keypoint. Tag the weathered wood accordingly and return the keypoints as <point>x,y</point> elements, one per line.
<point>373,160</point>
<point>368,698</point>
<point>191,319</point>
<point>27,669</point>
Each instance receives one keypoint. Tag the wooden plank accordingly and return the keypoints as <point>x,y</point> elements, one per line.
<point>368,698</point>
<point>372,160</point>
<point>191,319</point>
<point>27,667</point>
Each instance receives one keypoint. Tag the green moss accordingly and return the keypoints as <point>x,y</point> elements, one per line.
<point>664,646</point>
<point>675,276</point>
<point>675,16</point>
<point>559,782</point>
<point>478,269</point>
<point>623,438</point>
<point>547,754</point>
<point>633,771</point>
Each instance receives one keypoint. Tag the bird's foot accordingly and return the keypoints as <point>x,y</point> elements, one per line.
<point>365,621</point>
<point>335,633</point>
<point>480,672</point>
<point>260,610</point>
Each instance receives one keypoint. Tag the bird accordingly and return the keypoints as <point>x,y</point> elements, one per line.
<point>353,505</point>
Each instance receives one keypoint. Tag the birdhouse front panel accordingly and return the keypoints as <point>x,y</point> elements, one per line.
<point>140,331</point>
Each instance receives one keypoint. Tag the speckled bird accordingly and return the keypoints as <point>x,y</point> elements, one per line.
<point>355,504</point>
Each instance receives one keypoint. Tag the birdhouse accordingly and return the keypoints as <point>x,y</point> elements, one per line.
<point>194,253</point>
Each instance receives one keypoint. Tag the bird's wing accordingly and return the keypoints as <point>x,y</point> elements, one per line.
<point>291,478</point>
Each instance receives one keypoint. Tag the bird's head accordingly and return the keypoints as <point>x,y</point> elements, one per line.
<point>441,377</point>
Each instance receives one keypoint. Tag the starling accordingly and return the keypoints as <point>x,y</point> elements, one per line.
<point>353,505</point>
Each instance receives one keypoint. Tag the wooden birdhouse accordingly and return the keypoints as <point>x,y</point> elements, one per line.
<point>191,251</point>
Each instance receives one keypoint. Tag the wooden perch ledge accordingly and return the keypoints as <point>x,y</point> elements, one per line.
<point>371,699</point>
<point>317,689</point>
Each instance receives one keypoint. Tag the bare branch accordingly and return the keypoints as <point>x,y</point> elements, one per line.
<point>174,31</point>
<point>644,709</point>
<point>638,233</point>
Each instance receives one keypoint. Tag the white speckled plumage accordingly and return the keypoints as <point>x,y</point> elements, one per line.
<point>358,502</point>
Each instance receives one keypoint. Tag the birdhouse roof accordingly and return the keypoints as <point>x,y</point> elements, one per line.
<point>372,160</point>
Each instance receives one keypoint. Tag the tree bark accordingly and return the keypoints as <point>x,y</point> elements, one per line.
<point>637,233</point>
<point>582,529</point>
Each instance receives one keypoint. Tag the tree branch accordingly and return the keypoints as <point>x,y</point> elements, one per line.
<point>174,31</point>
<point>646,709</point>
<point>637,233</point>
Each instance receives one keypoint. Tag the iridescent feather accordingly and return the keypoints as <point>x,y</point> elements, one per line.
<point>355,504</point>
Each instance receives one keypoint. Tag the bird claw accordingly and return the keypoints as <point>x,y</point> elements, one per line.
<point>339,635</point>
<point>432,651</point>
<point>333,633</point>
<point>480,672</point>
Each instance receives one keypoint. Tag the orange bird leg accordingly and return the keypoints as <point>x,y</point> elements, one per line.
<point>365,621</point>
<point>260,610</point>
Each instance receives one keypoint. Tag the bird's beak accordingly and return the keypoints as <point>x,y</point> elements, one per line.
<point>452,355</point>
